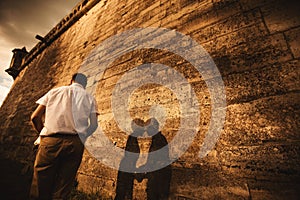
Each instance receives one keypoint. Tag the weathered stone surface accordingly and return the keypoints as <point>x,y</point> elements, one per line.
<point>293,41</point>
<point>255,46</point>
<point>281,15</point>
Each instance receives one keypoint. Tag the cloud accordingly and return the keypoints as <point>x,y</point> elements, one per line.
<point>3,93</point>
<point>20,21</point>
<point>5,57</point>
<point>6,82</point>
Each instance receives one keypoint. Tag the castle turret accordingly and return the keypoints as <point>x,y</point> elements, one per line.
<point>16,62</point>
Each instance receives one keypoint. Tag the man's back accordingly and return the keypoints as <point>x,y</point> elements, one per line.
<point>67,109</point>
<point>70,117</point>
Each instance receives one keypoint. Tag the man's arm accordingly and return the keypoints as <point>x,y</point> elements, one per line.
<point>93,124</point>
<point>36,117</point>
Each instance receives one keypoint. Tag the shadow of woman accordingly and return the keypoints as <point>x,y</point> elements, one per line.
<point>125,179</point>
<point>158,185</point>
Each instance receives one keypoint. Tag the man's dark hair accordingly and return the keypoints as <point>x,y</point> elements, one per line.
<point>80,78</point>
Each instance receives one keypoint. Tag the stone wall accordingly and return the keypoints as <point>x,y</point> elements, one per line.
<point>254,44</point>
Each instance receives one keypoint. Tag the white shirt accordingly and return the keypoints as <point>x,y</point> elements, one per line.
<point>67,110</point>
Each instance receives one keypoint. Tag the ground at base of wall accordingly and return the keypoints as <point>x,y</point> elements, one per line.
<point>78,195</point>
<point>13,184</point>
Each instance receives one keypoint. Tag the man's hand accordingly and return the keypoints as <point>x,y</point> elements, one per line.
<point>93,124</point>
<point>37,116</point>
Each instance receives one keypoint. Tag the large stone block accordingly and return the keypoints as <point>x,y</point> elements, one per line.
<point>293,41</point>
<point>281,15</point>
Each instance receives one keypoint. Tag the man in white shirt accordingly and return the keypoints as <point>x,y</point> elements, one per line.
<point>69,112</point>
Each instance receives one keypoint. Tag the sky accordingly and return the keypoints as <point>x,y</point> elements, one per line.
<point>20,22</point>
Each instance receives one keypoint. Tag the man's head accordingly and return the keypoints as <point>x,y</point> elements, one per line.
<point>80,78</point>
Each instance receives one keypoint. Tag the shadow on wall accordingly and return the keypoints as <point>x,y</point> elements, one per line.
<point>158,182</point>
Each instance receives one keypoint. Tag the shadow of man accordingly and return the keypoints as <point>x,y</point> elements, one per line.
<point>158,185</point>
<point>125,180</point>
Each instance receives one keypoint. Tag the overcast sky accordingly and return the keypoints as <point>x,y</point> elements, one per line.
<point>20,21</point>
